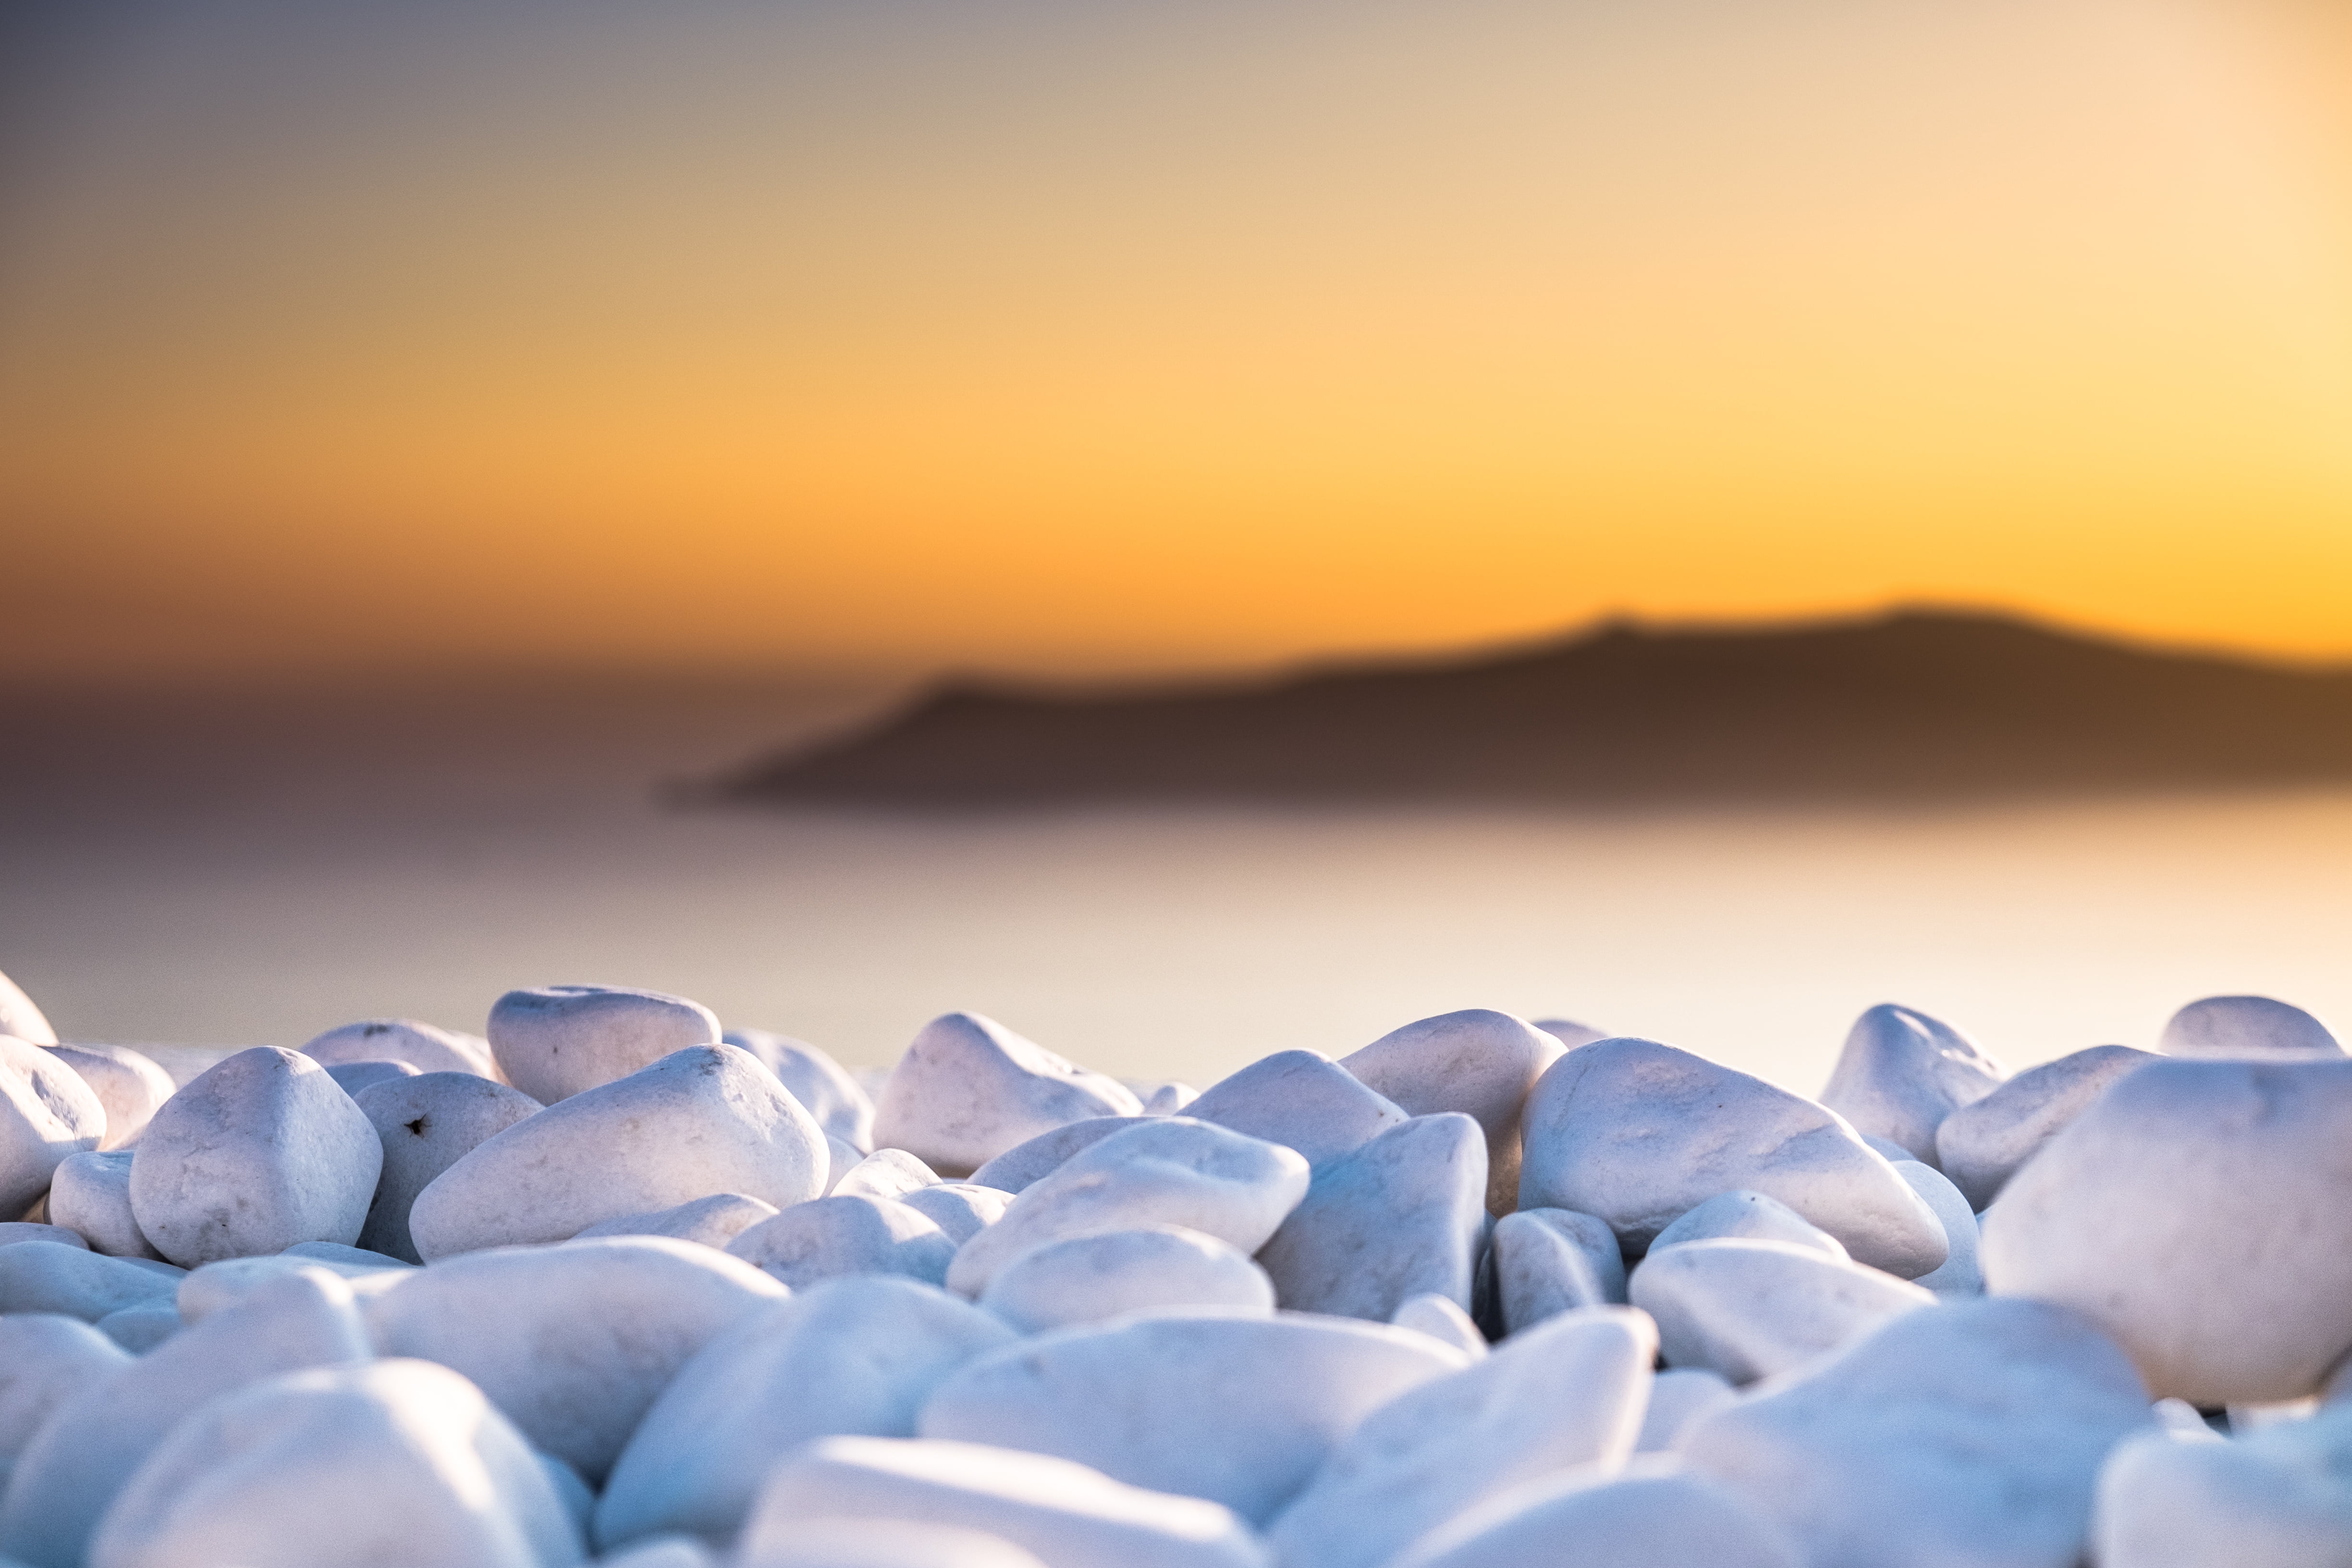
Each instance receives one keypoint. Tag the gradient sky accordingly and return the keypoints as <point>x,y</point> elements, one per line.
<point>1082,335</point>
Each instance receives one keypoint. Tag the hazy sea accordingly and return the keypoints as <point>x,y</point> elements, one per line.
<point>229,871</point>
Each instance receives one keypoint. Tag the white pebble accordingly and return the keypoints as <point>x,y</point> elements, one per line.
<point>1477,1061</point>
<point>90,1193</point>
<point>962,1209</point>
<point>425,1125</point>
<point>1302,1101</point>
<point>1750,1309</point>
<point>1655,1512</point>
<point>1981,1146</point>
<point>1549,1261</point>
<point>1902,1072</point>
<point>354,1076</point>
<point>141,1328</point>
<point>1087,1279</point>
<point>50,1277</point>
<point>555,1041</point>
<point>1402,1215</point>
<point>47,1114</point>
<point>217,1287</point>
<point>1960,1274</point>
<point>2248,1028</point>
<point>1027,1163</point>
<point>713,1221</point>
<point>2280,1497</point>
<point>1743,1216</point>
<point>128,1085</point>
<point>969,1088</point>
<point>885,1173</point>
<point>16,1230</point>
<point>46,1360</point>
<point>20,1019</point>
<point>427,1048</point>
<point>822,1084</point>
<point>1679,1396</point>
<point>890,1543</point>
<point>828,1237</point>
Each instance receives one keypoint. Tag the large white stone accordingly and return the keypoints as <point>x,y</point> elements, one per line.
<point>1479,1062</point>
<point>573,1343</point>
<point>1302,1101</point>
<point>713,1221</point>
<point>1750,1309</point>
<point>709,1119</point>
<point>554,1041</point>
<point>821,1084</point>
<point>20,1019</point>
<point>425,1125</point>
<point>2248,1028</point>
<point>1068,1515</point>
<point>1549,1261</point>
<point>1402,1215</point>
<point>854,1356</point>
<point>89,1193</point>
<point>256,1153</point>
<point>1961,1273</point>
<point>1656,1512</point>
<point>91,1445</point>
<point>427,1048</point>
<point>969,1088</point>
<point>50,1277</point>
<point>1568,1394</point>
<point>401,1461</point>
<point>1225,1406</point>
<point>1161,1171</point>
<point>885,1173</point>
<point>1971,1433</point>
<point>1021,1166</point>
<point>829,1238</point>
<point>1981,1146</point>
<point>2280,1497</point>
<point>1902,1072</point>
<point>130,1086</point>
<point>962,1209</point>
<point>47,1113</point>
<point>44,1360</point>
<point>2197,1213</point>
<point>1638,1133</point>
<point>1743,1216</point>
<point>1087,1279</point>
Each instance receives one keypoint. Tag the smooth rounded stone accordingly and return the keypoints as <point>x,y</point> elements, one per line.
<point>1549,1261</point>
<point>828,1237</point>
<point>257,1153</point>
<point>427,1048</point>
<point>425,1125</point>
<point>1902,1072</point>
<point>1981,1146</point>
<point>1479,1062</point>
<point>52,1277</point>
<point>141,1328</point>
<point>343,1260</point>
<point>709,1119</point>
<point>822,1084</point>
<point>969,1088</point>
<point>90,1193</point>
<point>885,1173</point>
<point>1969,1434</point>
<point>713,1221</point>
<point>1750,1309</point>
<point>1404,1215</point>
<point>1068,1515</point>
<point>890,1544</point>
<point>962,1209</point>
<point>16,1230</point>
<point>573,1343</point>
<point>1571,1034</point>
<point>1302,1101</point>
<point>20,1019</point>
<point>218,1286</point>
<point>401,1461</point>
<point>1023,1165</point>
<point>1568,1394</point>
<point>1161,1171</point>
<point>555,1041</point>
<point>91,1445</point>
<point>2280,1497</point>
<point>1169,1099</point>
<point>130,1086</point>
<point>1742,1215</point>
<point>2196,1211</point>
<point>1679,1396</point>
<point>47,1114</point>
<point>1440,1319</point>
<point>1090,1278</point>
<point>46,1360</point>
<point>2248,1028</point>
<point>854,1356</point>
<point>1656,1511</point>
<point>1960,1274</point>
<point>354,1076</point>
<point>1236,1408</point>
<point>1639,1134</point>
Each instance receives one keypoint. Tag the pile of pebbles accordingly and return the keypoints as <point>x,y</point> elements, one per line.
<point>610,1284</point>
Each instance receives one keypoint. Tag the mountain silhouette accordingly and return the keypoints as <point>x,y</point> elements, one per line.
<point>1913,706</point>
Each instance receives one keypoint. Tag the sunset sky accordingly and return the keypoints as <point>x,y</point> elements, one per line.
<point>1108,335</point>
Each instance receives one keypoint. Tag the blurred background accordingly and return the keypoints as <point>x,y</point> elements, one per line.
<point>428,432</point>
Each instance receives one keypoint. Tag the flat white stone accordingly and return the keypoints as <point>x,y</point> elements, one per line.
<point>47,1114</point>
<point>1981,1146</point>
<point>885,1173</point>
<point>129,1086</point>
<point>1679,1396</point>
<point>1571,1034</point>
<point>425,1125</point>
<point>1479,1062</point>
<point>1549,1261</point>
<point>141,1328</point>
<point>1440,1319</point>
<point>890,1544</point>
<point>2280,1497</point>
<point>822,1085</point>
<point>1743,1216</point>
<point>354,1076</point>
<point>1230,1406</point>
<point>2196,1212</point>
<point>46,1360</point>
<point>16,1230</point>
<point>1161,1171</point>
<point>1021,1166</point>
<point>91,1445</point>
<point>1567,1393</point>
<point>829,1238</point>
<point>962,1209</point>
<point>427,1048</point>
<point>401,1461</point>
<point>1749,1310</point>
<point>1087,1279</point>
<point>1655,1512</point>
<point>1068,1515</point>
<point>20,1019</point>
<point>1970,1433</point>
<point>256,1153</point>
<point>1639,1134</point>
<point>1302,1101</point>
<point>709,1119</point>
<point>1902,1072</point>
<point>50,1277</point>
<point>2248,1028</point>
<point>713,1221</point>
<point>1402,1215</point>
<point>555,1041</point>
<point>854,1356</point>
<point>573,1343</point>
<point>217,1287</point>
<point>1960,1274</point>
<point>969,1088</point>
